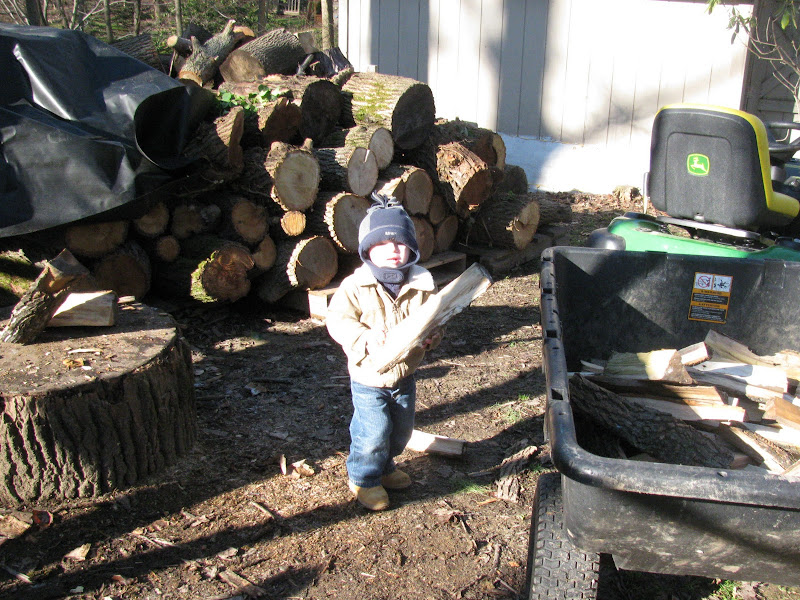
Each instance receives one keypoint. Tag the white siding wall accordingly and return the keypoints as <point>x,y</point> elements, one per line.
<point>573,85</point>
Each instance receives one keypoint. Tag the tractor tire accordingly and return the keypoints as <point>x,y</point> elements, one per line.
<point>557,570</point>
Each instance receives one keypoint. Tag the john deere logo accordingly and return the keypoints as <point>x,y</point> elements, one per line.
<point>697,164</point>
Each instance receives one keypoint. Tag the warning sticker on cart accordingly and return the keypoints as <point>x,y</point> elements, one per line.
<point>711,296</point>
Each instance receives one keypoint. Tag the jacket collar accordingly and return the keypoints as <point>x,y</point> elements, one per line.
<point>418,278</point>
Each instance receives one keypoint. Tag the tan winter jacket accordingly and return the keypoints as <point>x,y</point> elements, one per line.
<point>361,304</point>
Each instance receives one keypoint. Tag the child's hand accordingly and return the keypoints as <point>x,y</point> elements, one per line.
<point>432,340</point>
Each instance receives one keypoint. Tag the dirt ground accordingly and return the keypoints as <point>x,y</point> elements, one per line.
<point>271,388</point>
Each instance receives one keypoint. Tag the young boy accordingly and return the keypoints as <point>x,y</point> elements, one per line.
<point>375,298</point>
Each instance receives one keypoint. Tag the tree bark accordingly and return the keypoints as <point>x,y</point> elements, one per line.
<point>73,437</point>
<point>376,138</point>
<point>402,105</point>
<point>446,233</point>
<point>275,52</point>
<point>505,221</point>
<point>140,47</point>
<point>219,144</point>
<point>327,24</point>
<point>659,434</point>
<point>310,263</point>
<point>276,121</point>
<point>466,181</point>
<point>202,65</point>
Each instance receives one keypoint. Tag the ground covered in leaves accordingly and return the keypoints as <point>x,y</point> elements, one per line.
<point>260,507</point>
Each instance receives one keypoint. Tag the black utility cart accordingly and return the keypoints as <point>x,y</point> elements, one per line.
<point>742,525</point>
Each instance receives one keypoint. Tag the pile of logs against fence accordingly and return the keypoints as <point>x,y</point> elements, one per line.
<point>283,185</point>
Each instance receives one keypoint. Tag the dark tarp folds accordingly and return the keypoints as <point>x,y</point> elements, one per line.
<point>85,129</point>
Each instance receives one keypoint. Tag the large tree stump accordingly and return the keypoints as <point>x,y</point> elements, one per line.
<point>87,423</point>
<point>276,51</point>
<point>402,105</point>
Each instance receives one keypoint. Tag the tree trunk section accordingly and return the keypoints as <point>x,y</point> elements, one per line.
<point>154,222</point>
<point>264,255</point>
<point>350,169</point>
<point>438,210</point>
<point>276,121</point>
<point>337,216</point>
<point>93,240</point>
<point>292,223</point>
<point>418,188</point>
<point>514,180</point>
<point>202,65</point>
<point>426,237</point>
<point>506,221</point>
<point>551,211</point>
<point>657,433</point>
<point>402,105</point>
<point>189,219</point>
<point>310,263</point>
<point>466,180</point>
<point>295,175</point>
<point>376,138</point>
<point>127,271</point>
<point>140,47</point>
<point>219,143</point>
<point>275,52</point>
<point>65,437</point>
<point>445,234</point>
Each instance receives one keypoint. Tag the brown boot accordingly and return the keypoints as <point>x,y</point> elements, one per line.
<point>396,480</point>
<point>373,498</point>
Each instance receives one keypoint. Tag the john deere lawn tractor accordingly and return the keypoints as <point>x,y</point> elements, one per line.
<point>724,183</point>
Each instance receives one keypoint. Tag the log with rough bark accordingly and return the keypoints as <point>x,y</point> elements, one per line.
<point>255,180</point>
<point>432,315</point>
<point>310,263</point>
<point>154,222</point>
<point>466,181</point>
<point>202,64</point>
<point>219,144</point>
<point>276,51</point>
<point>295,174</point>
<point>505,221</point>
<point>140,47</point>
<point>445,234</point>
<point>514,180</point>
<point>656,433</point>
<point>350,169</point>
<point>426,237</point>
<point>275,121</point>
<point>376,138</point>
<point>79,437</point>
<point>485,143</point>
<point>338,215</point>
<point>438,210</point>
<point>126,271</point>
<point>402,105</point>
<point>38,305</point>
<point>95,239</point>
<point>418,189</point>
<point>551,211</point>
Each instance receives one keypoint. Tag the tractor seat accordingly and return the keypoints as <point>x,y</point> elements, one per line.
<point>711,164</point>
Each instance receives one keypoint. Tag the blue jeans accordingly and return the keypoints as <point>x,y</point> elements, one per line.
<point>383,419</point>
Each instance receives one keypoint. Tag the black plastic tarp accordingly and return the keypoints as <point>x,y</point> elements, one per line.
<point>85,129</point>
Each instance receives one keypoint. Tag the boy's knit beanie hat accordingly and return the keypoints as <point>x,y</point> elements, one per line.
<point>387,220</point>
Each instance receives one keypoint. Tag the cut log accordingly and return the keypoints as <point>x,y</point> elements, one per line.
<point>402,105</point>
<point>656,433</point>
<point>292,223</point>
<point>95,239</point>
<point>310,263</point>
<point>219,144</point>
<point>435,444</point>
<point>505,221</point>
<point>375,138</point>
<point>154,222</point>
<point>140,47</point>
<point>223,276</point>
<point>769,378</point>
<point>203,63</point>
<point>694,354</point>
<point>508,485</point>
<point>487,144</point>
<point>264,255</point>
<point>658,365</point>
<point>394,188</point>
<point>79,437</point>
<point>276,121</point>
<point>689,394</point>
<point>295,174</point>
<point>432,315</point>
<point>445,234</point>
<point>86,309</point>
<point>438,211</point>
<point>255,180</point>
<point>418,189</point>
<point>551,212</point>
<point>774,458</point>
<point>126,271</point>
<point>514,181</point>
<point>190,219</point>
<point>276,51</point>
<point>465,178</point>
<point>338,216</point>
<point>690,412</point>
<point>163,249</point>
<point>426,237</point>
<point>350,169</point>
<point>247,219</point>
<point>38,305</point>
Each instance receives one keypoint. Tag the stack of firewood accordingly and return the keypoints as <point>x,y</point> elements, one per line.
<point>283,185</point>
<point>714,404</point>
